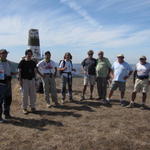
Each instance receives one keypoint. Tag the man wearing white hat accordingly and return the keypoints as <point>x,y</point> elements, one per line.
<point>141,81</point>
<point>121,71</point>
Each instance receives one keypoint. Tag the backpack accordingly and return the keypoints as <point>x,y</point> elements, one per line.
<point>64,63</point>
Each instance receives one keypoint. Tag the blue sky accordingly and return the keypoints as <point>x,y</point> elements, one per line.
<point>114,26</point>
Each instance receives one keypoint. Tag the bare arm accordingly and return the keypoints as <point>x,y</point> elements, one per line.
<point>62,69</point>
<point>55,73</point>
<point>126,77</point>
<point>38,72</point>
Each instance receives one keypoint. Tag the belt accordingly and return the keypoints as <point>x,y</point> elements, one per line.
<point>67,73</point>
<point>49,74</point>
<point>142,77</point>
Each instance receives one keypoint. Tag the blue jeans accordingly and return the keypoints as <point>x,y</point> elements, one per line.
<point>66,81</point>
<point>3,98</point>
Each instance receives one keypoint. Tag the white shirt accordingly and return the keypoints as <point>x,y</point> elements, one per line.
<point>120,71</point>
<point>143,70</point>
<point>69,68</point>
<point>46,67</point>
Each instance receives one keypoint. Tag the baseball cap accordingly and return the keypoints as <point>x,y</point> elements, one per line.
<point>143,57</point>
<point>120,55</point>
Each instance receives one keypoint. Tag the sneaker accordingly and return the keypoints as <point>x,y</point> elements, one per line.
<point>98,98</point>
<point>8,116</point>
<point>91,97</point>
<point>70,99</point>
<point>108,100</point>
<point>25,111</point>
<point>143,106</point>
<point>49,105</point>
<point>82,98</point>
<point>122,103</point>
<point>57,104</point>
<point>33,110</point>
<point>131,105</point>
<point>63,101</point>
<point>1,120</point>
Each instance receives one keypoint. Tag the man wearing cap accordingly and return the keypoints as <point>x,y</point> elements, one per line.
<point>121,71</point>
<point>141,81</point>
<point>103,69</point>
<point>47,69</point>
<point>89,67</point>
<point>5,84</point>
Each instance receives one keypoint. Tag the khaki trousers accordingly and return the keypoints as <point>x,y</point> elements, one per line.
<point>29,93</point>
<point>49,86</point>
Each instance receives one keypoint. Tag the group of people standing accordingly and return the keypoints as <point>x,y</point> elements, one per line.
<point>98,71</point>
<point>101,71</point>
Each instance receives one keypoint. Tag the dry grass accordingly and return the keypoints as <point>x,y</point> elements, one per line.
<point>86,125</point>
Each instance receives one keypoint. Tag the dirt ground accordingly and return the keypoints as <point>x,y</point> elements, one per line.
<point>86,125</point>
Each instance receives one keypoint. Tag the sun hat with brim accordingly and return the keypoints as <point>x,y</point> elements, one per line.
<point>120,55</point>
<point>3,51</point>
<point>143,57</point>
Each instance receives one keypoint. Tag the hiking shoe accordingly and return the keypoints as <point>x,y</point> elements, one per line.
<point>143,106</point>
<point>49,105</point>
<point>1,120</point>
<point>33,110</point>
<point>122,103</point>
<point>25,111</point>
<point>108,100</point>
<point>107,103</point>
<point>70,99</point>
<point>131,105</point>
<point>8,116</point>
<point>63,101</point>
<point>57,104</point>
<point>98,98</point>
<point>82,98</point>
<point>91,97</point>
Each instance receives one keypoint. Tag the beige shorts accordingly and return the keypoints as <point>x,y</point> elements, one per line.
<point>90,79</point>
<point>141,85</point>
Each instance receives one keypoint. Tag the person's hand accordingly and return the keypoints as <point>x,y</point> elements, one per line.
<point>111,77</point>
<point>43,75</point>
<point>55,75</point>
<point>126,77</point>
<point>74,70</point>
<point>64,68</point>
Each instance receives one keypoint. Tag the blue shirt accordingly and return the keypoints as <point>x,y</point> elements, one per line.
<point>120,71</point>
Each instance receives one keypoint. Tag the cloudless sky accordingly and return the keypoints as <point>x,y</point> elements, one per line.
<point>114,26</point>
